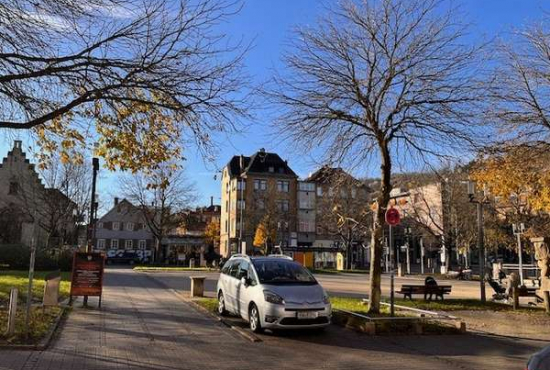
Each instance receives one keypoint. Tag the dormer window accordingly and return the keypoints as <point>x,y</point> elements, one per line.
<point>271,169</point>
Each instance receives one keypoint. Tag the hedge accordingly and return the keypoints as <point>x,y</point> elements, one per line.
<point>17,256</point>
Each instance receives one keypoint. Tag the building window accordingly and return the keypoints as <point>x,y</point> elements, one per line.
<point>330,191</point>
<point>260,204</point>
<point>306,227</point>
<point>14,188</point>
<point>353,193</point>
<point>226,225</point>
<point>283,186</point>
<point>241,185</point>
<point>271,169</point>
<point>129,244</point>
<point>319,191</point>
<point>283,205</point>
<point>114,243</point>
<point>306,204</point>
<point>307,186</point>
<point>260,184</point>
<point>241,204</point>
<point>319,229</point>
<point>130,226</point>
<point>145,226</point>
<point>142,244</point>
<point>100,243</point>
<point>116,225</point>
<point>100,225</point>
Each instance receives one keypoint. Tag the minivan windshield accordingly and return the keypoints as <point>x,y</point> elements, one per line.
<point>282,272</point>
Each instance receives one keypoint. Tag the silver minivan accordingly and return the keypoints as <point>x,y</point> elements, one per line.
<point>272,292</point>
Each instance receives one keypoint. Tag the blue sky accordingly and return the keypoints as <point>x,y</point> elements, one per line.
<point>268,25</point>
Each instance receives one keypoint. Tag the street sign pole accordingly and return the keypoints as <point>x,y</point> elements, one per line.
<point>392,274</point>
<point>392,219</point>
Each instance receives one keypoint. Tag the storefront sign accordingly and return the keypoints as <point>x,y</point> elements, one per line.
<point>87,274</point>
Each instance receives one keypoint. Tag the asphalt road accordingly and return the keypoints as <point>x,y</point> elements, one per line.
<point>144,325</point>
<point>339,285</point>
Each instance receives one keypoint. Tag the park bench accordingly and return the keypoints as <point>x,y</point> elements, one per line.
<point>529,292</point>
<point>425,290</point>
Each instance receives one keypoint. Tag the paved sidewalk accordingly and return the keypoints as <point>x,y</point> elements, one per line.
<point>142,325</point>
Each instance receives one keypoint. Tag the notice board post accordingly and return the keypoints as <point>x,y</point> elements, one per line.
<point>87,275</point>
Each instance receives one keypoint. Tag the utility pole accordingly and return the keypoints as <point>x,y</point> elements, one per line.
<point>519,229</point>
<point>241,202</point>
<point>422,255</point>
<point>93,210</point>
<point>480,238</point>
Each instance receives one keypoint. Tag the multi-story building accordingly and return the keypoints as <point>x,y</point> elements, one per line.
<point>28,209</point>
<point>188,240</point>
<point>123,233</point>
<point>342,218</point>
<point>255,189</point>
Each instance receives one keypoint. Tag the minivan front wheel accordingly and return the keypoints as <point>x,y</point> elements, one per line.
<point>221,305</point>
<point>254,319</point>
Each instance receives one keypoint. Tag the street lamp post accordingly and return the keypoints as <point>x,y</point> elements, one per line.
<point>518,230</point>
<point>480,238</point>
<point>408,233</point>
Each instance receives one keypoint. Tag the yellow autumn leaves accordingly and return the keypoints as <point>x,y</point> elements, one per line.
<point>132,135</point>
<point>522,173</point>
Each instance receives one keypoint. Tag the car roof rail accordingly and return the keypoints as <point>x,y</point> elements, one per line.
<point>280,256</point>
<point>240,255</point>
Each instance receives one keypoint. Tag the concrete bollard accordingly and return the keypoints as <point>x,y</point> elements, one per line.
<point>197,286</point>
<point>461,326</point>
<point>12,312</point>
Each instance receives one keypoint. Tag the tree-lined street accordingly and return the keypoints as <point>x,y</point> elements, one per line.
<point>143,325</point>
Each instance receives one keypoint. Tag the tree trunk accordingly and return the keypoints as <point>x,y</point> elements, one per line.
<point>157,251</point>
<point>378,230</point>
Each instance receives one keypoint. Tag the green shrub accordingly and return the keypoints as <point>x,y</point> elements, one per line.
<point>17,256</point>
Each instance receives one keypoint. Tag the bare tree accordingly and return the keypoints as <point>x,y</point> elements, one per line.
<point>385,80</point>
<point>66,65</point>
<point>161,197</point>
<point>66,199</point>
<point>521,102</point>
<point>343,210</point>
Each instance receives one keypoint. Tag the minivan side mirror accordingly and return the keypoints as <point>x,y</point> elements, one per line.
<point>244,281</point>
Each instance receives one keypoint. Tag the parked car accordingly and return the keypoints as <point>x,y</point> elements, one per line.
<point>272,292</point>
<point>540,360</point>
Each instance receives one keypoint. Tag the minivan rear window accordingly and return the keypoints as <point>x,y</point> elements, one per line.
<point>282,272</point>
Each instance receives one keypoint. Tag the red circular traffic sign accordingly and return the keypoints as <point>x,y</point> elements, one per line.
<point>392,217</point>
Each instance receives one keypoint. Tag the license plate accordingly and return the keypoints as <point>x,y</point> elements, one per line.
<point>306,315</point>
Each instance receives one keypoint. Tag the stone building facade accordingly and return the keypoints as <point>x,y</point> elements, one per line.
<point>29,211</point>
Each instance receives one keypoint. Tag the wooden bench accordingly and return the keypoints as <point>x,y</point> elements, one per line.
<point>529,292</point>
<point>426,290</point>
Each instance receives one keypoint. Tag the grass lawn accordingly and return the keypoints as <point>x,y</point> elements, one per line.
<point>173,268</point>
<point>40,320</point>
<point>211,304</point>
<point>40,323</point>
<point>20,279</point>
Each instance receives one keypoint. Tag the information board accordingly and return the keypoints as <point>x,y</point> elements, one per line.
<point>87,274</point>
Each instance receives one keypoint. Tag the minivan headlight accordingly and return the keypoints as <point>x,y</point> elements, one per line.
<point>326,298</point>
<point>273,298</point>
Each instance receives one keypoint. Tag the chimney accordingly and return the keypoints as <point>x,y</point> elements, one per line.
<point>116,201</point>
<point>211,201</point>
<point>17,144</point>
<point>262,150</point>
